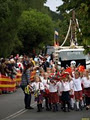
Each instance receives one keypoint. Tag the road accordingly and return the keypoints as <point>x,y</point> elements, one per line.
<point>12,108</point>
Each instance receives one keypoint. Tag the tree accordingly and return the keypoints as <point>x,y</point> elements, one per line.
<point>9,13</point>
<point>34,4</point>
<point>35,30</point>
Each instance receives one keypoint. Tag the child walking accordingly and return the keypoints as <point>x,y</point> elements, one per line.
<point>46,82</point>
<point>38,92</point>
<point>78,91</point>
<point>54,99</point>
<point>65,92</point>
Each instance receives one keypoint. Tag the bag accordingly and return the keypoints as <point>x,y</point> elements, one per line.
<point>37,93</point>
<point>27,90</point>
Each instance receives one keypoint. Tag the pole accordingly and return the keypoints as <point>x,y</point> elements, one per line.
<point>54,39</point>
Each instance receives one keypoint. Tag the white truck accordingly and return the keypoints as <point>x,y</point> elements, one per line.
<point>65,55</point>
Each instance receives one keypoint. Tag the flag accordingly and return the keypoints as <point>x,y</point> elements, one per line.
<point>56,38</point>
<point>56,33</point>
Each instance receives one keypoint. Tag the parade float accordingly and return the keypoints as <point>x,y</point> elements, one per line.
<point>66,54</point>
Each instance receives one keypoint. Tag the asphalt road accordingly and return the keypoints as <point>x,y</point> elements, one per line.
<point>12,108</point>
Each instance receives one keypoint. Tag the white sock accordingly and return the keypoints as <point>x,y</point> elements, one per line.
<point>82,103</point>
<point>72,102</point>
<point>77,104</point>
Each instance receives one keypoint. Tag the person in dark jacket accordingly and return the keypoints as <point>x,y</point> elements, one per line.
<point>45,65</point>
<point>25,80</point>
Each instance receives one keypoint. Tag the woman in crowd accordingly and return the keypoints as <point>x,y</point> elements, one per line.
<point>25,80</point>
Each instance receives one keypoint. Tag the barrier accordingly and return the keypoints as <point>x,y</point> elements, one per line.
<point>7,84</point>
<point>18,79</point>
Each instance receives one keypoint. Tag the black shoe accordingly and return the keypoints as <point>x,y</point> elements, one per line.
<point>68,110</point>
<point>42,107</point>
<point>47,109</point>
<point>39,108</point>
<point>77,109</point>
<point>26,107</point>
<point>29,107</point>
<point>54,110</point>
<point>64,110</point>
<point>38,111</point>
<point>72,108</point>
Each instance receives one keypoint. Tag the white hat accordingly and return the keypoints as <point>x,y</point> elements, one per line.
<point>59,63</point>
<point>73,63</point>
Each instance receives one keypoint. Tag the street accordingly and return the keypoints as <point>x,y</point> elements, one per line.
<point>12,108</point>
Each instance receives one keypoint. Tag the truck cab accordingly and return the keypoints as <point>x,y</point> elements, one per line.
<point>68,55</point>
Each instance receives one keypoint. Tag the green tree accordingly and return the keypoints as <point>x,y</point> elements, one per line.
<point>34,4</point>
<point>10,10</point>
<point>35,30</point>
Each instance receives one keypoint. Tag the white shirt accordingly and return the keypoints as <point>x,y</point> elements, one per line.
<point>20,65</point>
<point>52,87</point>
<point>46,83</point>
<point>36,59</point>
<point>65,86</point>
<point>48,59</point>
<point>42,78</point>
<point>86,82</point>
<point>71,84</point>
<point>77,84</point>
<point>37,85</point>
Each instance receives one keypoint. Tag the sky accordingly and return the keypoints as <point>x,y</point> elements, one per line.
<point>52,4</point>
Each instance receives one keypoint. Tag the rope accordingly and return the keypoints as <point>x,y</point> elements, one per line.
<point>67,34</point>
<point>78,26</point>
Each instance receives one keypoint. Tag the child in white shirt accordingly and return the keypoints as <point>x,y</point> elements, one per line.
<point>38,92</point>
<point>78,91</point>
<point>54,99</point>
<point>65,93</point>
<point>46,82</point>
